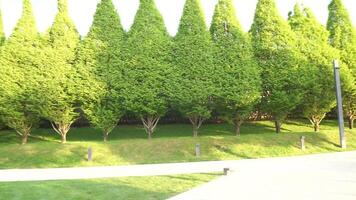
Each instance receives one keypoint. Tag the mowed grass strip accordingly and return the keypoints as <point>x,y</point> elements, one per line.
<point>171,143</point>
<point>131,188</point>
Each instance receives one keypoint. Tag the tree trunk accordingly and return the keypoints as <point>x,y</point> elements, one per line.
<point>196,122</point>
<point>316,126</point>
<point>24,138</point>
<point>195,130</point>
<point>62,129</point>
<point>237,130</point>
<point>238,123</point>
<point>351,122</point>
<point>316,120</point>
<point>107,131</point>
<point>150,124</point>
<point>106,136</point>
<point>278,126</point>
<point>24,133</point>
<point>64,138</point>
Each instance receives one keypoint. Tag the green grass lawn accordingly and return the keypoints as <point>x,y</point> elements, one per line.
<point>171,143</point>
<point>132,188</point>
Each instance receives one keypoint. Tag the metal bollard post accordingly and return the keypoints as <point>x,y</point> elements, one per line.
<point>90,154</point>
<point>226,170</point>
<point>302,142</point>
<point>197,150</point>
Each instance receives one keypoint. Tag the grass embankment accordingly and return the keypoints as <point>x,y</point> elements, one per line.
<point>132,188</point>
<point>171,143</point>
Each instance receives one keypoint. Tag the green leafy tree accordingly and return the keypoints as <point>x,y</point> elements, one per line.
<point>19,65</point>
<point>99,68</point>
<point>313,42</point>
<point>238,79</point>
<point>2,34</point>
<point>148,50</point>
<point>274,46</point>
<point>59,97</point>
<point>2,40</point>
<point>343,37</point>
<point>192,86</point>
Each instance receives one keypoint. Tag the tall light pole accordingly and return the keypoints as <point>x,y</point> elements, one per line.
<point>339,104</point>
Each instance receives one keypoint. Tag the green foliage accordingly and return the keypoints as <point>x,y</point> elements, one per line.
<point>2,40</point>
<point>147,65</point>
<point>145,72</point>
<point>99,65</point>
<point>2,34</point>
<point>275,48</point>
<point>319,97</point>
<point>342,33</point>
<point>237,79</point>
<point>192,85</point>
<point>19,68</point>
<point>59,98</point>
<point>343,37</point>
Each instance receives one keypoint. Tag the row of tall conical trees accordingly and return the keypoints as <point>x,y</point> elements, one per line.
<point>277,67</point>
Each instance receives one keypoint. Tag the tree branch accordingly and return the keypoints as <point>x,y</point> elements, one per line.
<point>19,133</point>
<point>55,128</point>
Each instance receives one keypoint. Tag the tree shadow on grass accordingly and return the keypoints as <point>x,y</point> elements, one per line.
<point>37,135</point>
<point>271,145</point>
<point>231,152</point>
<point>306,125</point>
<point>174,131</point>
<point>9,137</point>
<point>196,178</point>
<point>129,144</point>
<point>329,142</point>
<point>80,190</point>
<point>46,155</point>
<point>87,134</point>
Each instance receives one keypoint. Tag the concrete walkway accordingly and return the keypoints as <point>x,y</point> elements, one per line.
<point>314,177</point>
<point>114,171</point>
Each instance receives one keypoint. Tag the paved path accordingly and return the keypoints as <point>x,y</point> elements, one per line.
<point>314,177</point>
<point>115,171</point>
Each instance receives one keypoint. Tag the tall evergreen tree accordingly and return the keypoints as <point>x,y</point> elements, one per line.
<point>99,68</point>
<point>59,101</point>
<point>2,34</point>
<point>193,82</point>
<point>2,40</point>
<point>314,44</point>
<point>343,37</point>
<point>238,79</point>
<point>19,64</point>
<point>274,46</point>
<point>148,48</point>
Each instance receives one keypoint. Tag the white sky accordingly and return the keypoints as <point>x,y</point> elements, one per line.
<point>82,11</point>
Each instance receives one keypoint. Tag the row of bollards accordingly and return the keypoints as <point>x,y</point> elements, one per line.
<point>197,153</point>
<point>197,150</point>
